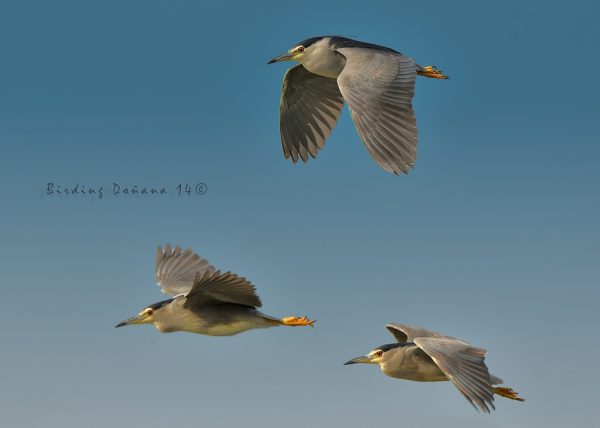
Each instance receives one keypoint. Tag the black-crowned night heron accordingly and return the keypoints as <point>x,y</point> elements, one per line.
<point>205,301</point>
<point>378,84</point>
<point>426,356</point>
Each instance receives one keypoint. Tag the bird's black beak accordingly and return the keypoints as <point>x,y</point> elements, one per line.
<point>283,57</point>
<point>358,360</point>
<point>138,319</point>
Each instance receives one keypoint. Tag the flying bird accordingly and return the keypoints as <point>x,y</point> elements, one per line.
<point>205,300</point>
<point>426,356</point>
<point>377,82</point>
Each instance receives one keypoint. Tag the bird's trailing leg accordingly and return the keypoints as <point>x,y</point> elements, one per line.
<point>432,72</point>
<point>507,392</point>
<point>296,321</point>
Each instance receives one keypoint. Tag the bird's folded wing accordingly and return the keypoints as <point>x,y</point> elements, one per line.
<point>218,288</point>
<point>464,365</point>
<point>310,107</point>
<point>407,333</point>
<point>177,268</point>
<point>378,87</point>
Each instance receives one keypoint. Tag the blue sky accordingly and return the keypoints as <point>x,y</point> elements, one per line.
<point>493,238</point>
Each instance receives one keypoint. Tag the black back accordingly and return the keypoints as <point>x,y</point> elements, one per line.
<point>160,304</point>
<point>306,43</point>
<point>344,42</point>
<point>387,347</point>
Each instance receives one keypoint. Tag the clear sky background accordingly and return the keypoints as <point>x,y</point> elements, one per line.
<point>493,238</point>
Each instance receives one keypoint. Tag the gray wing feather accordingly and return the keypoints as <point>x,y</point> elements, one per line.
<point>378,87</point>
<point>213,288</point>
<point>464,365</point>
<point>408,333</point>
<point>177,268</point>
<point>310,107</point>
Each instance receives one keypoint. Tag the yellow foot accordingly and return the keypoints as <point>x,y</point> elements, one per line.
<point>296,321</point>
<point>433,72</point>
<point>507,392</point>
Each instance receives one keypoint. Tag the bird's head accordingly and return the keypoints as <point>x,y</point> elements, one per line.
<point>373,357</point>
<point>299,51</point>
<point>147,315</point>
<point>379,355</point>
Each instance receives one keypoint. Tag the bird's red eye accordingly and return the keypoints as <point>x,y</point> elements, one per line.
<point>149,311</point>
<point>379,353</point>
<point>301,49</point>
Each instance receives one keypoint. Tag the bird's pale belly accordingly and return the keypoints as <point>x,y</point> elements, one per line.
<point>231,329</point>
<point>227,328</point>
<point>215,330</point>
<point>417,372</point>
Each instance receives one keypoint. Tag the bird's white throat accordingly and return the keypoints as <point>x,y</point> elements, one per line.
<point>320,59</point>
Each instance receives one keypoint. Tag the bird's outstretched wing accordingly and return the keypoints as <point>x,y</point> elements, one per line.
<point>310,107</point>
<point>464,365</point>
<point>177,268</point>
<point>213,288</point>
<point>408,333</point>
<point>378,87</point>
